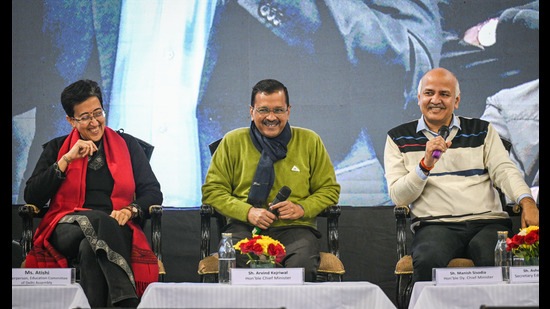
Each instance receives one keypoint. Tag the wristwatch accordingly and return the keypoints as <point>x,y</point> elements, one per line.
<point>134,210</point>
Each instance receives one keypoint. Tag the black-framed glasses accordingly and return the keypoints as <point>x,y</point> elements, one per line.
<point>86,118</point>
<point>266,111</point>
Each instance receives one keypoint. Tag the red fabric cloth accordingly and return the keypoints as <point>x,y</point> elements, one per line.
<point>70,198</point>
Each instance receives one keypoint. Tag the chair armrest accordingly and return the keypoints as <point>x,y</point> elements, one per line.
<point>401,214</point>
<point>156,240</point>
<point>512,208</point>
<point>27,213</point>
<point>155,212</point>
<point>206,212</point>
<point>332,213</point>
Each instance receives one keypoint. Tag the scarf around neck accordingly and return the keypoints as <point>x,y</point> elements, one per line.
<point>272,150</point>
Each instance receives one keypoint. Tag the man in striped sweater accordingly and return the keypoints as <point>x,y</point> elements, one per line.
<point>455,210</point>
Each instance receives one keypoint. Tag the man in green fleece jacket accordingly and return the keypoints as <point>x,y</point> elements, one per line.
<point>251,164</point>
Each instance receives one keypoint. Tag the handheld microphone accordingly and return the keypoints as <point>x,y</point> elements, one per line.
<point>444,132</point>
<point>282,195</point>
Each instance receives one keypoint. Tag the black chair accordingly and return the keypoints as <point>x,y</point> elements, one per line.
<point>29,213</point>
<point>331,267</point>
<point>404,265</point>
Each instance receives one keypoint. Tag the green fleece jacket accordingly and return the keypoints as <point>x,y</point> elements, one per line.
<point>307,170</point>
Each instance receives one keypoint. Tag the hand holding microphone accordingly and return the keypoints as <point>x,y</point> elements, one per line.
<point>444,132</point>
<point>282,195</point>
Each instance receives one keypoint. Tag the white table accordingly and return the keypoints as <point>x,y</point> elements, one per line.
<point>49,297</point>
<point>309,295</point>
<point>427,295</point>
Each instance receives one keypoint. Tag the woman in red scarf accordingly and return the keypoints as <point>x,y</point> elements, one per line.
<point>96,182</point>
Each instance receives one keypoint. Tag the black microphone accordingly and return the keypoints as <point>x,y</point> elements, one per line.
<point>282,195</point>
<point>444,132</point>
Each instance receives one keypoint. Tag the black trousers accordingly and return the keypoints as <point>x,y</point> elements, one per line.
<point>436,243</point>
<point>94,243</point>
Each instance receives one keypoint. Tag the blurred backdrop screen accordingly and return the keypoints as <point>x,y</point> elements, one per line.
<point>179,74</point>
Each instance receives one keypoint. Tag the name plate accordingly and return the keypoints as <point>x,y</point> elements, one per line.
<point>468,275</point>
<point>42,276</point>
<point>267,276</point>
<point>524,274</point>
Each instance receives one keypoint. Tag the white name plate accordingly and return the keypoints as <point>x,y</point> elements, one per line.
<point>467,275</point>
<point>42,276</point>
<point>267,276</point>
<point>524,274</point>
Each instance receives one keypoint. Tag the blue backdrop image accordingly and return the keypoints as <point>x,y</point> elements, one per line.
<point>178,74</point>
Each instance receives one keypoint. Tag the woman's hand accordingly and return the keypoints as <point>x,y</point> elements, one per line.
<point>122,216</point>
<point>81,149</point>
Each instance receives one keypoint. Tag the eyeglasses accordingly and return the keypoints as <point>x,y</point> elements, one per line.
<point>266,111</point>
<point>98,114</point>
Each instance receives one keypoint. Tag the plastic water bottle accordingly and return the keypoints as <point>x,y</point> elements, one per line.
<point>503,258</point>
<point>226,258</point>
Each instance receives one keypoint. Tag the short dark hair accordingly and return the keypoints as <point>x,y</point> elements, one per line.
<point>79,92</point>
<point>268,86</point>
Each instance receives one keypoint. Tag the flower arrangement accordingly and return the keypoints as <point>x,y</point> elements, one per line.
<point>525,244</point>
<point>262,248</point>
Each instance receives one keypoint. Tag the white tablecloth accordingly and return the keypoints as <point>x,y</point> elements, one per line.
<point>330,295</point>
<point>427,295</point>
<point>49,297</point>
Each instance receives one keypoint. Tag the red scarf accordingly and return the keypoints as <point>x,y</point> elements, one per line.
<point>70,198</point>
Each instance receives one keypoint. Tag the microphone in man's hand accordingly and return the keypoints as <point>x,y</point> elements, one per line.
<point>444,132</point>
<point>282,195</point>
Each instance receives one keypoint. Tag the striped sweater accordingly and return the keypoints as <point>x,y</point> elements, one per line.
<point>461,182</point>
